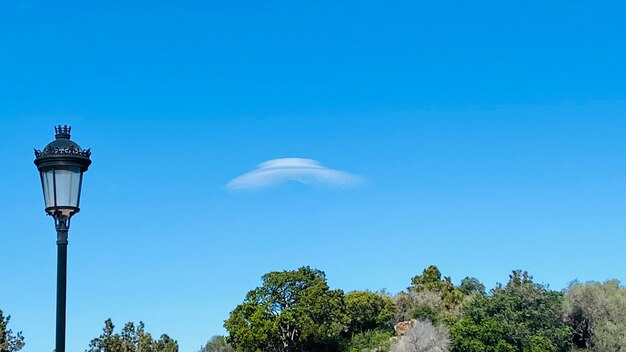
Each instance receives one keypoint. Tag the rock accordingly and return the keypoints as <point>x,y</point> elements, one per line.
<point>402,327</point>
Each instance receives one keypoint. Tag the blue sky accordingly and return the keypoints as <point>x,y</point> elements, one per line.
<point>489,137</point>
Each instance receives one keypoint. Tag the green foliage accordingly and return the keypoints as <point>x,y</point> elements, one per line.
<point>427,312</point>
<point>291,311</point>
<point>522,316</point>
<point>423,305</point>
<point>296,311</point>
<point>609,336</point>
<point>371,341</point>
<point>163,344</point>
<point>596,313</point>
<point>217,344</point>
<point>435,299</point>
<point>130,339</point>
<point>431,280</point>
<point>8,341</point>
<point>472,286</point>
<point>479,334</point>
<point>369,311</point>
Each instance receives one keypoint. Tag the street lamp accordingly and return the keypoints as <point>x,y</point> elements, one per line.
<point>61,165</point>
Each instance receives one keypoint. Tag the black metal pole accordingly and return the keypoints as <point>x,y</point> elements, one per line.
<point>62,229</point>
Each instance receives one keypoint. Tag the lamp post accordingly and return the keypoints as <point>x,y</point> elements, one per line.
<point>61,165</point>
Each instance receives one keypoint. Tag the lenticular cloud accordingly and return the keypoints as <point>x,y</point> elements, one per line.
<point>307,171</point>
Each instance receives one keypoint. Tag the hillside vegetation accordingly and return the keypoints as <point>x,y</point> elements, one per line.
<point>296,311</point>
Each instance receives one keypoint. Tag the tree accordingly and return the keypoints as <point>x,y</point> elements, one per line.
<point>217,344</point>
<point>130,339</point>
<point>370,341</point>
<point>422,305</point>
<point>291,311</point>
<point>472,286</point>
<point>522,316</point>
<point>164,344</point>
<point>8,341</point>
<point>435,299</point>
<point>369,311</point>
<point>423,336</point>
<point>431,280</point>
<point>609,336</point>
<point>596,312</point>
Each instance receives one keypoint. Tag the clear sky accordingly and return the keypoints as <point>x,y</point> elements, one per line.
<point>487,137</point>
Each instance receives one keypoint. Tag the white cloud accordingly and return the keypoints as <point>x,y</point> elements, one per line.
<point>307,171</point>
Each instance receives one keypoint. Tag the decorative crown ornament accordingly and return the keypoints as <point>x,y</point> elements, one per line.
<point>62,131</point>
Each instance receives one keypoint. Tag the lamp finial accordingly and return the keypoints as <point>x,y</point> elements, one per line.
<point>62,132</point>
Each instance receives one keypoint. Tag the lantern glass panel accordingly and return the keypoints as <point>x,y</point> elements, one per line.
<point>47,181</point>
<point>67,186</point>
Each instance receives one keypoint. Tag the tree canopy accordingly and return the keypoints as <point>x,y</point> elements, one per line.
<point>596,312</point>
<point>217,344</point>
<point>290,311</point>
<point>521,316</point>
<point>296,311</point>
<point>9,342</point>
<point>130,339</point>
<point>369,311</point>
